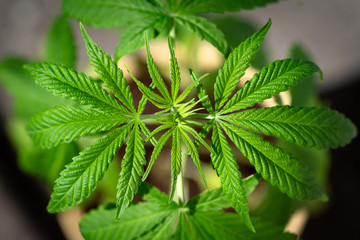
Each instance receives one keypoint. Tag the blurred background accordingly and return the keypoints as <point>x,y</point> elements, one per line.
<point>329,30</point>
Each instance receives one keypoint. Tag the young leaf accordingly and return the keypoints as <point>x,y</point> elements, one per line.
<point>109,13</point>
<point>148,92</point>
<point>174,72</point>
<point>160,144</point>
<point>133,37</point>
<point>155,75</point>
<point>175,160</point>
<point>204,131</point>
<point>271,80</point>
<point>224,162</point>
<point>147,133</point>
<point>202,94</point>
<point>131,170</point>
<point>60,46</point>
<point>216,199</point>
<point>215,6</point>
<point>66,124</point>
<point>108,71</point>
<point>276,166</point>
<point>193,152</point>
<point>197,136</point>
<point>136,221</point>
<point>236,64</point>
<point>205,30</point>
<point>81,176</point>
<point>308,126</point>
<point>66,82</point>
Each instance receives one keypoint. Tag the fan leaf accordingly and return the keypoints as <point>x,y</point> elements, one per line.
<point>110,13</point>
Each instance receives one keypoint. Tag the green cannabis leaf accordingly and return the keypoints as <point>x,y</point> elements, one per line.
<point>155,18</point>
<point>156,219</point>
<point>108,106</point>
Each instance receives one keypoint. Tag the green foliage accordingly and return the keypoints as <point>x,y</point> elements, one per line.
<point>308,126</point>
<point>70,123</point>
<point>60,46</point>
<point>234,68</point>
<point>271,80</point>
<point>131,170</point>
<point>29,98</point>
<point>201,6</point>
<point>156,18</point>
<point>112,109</point>
<point>156,219</point>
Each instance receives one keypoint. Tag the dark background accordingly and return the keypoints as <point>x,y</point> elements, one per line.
<point>329,29</point>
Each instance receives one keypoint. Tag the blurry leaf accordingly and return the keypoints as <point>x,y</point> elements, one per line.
<point>45,164</point>
<point>133,37</point>
<point>304,94</point>
<point>60,46</point>
<point>216,6</point>
<point>216,199</point>
<point>110,13</point>
<point>205,30</point>
<point>236,30</point>
<point>29,98</point>
<point>135,221</point>
<point>220,225</point>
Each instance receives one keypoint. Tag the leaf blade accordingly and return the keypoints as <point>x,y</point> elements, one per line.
<point>215,199</point>
<point>80,177</point>
<point>276,166</point>
<point>66,82</point>
<point>175,161</point>
<point>131,170</point>
<point>66,124</point>
<point>108,71</point>
<point>155,74</point>
<point>174,72</point>
<point>224,163</point>
<point>236,64</point>
<point>271,80</point>
<point>315,127</point>
<point>109,13</point>
<point>136,221</point>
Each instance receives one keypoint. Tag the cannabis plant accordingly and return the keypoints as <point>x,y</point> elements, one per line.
<point>229,115</point>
